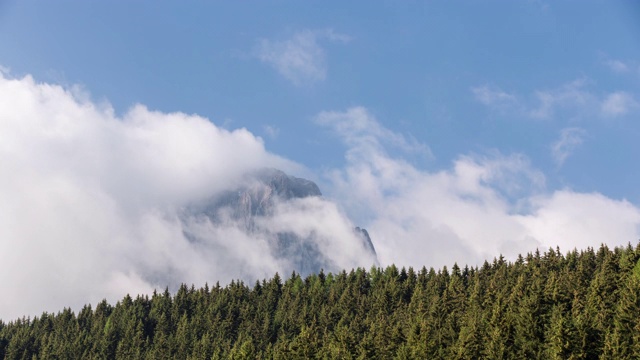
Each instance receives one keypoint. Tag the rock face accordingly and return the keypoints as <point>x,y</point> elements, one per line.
<point>364,235</point>
<point>260,192</point>
<point>255,200</point>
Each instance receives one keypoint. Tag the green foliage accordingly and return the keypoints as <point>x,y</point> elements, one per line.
<point>580,305</point>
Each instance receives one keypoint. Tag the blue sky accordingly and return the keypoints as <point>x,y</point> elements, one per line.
<point>451,130</point>
<point>412,64</point>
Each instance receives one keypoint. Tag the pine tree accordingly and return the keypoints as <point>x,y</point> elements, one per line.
<point>559,342</point>
<point>470,342</point>
<point>622,341</point>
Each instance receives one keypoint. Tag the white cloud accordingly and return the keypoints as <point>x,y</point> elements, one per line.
<point>359,130</point>
<point>545,102</point>
<point>93,205</point>
<point>300,59</point>
<point>569,219</point>
<point>618,66</point>
<point>570,139</point>
<point>571,95</point>
<point>623,67</point>
<point>618,103</point>
<point>478,208</point>
<point>271,131</point>
<point>493,97</point>
<point>573,98</point>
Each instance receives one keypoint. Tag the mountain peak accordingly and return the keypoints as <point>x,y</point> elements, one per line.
<point>255,203</point>
<point>287,186</point>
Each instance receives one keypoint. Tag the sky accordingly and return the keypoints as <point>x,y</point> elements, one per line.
<point>453,131</point>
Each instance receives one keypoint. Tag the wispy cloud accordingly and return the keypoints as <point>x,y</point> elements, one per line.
<point>300,59</point>
<point>570,139</point>
<point>493,97</point>
<point>623,66</point>
<point>573,98</point>
<point>618,66</point>
<point>271,131</point>
<point>360,131</point>
<point>571,95</point>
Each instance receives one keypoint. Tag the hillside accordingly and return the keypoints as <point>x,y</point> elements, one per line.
<point>581,305</point>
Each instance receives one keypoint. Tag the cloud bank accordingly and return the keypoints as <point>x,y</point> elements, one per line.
<point>93,204</point>
<point>480,207</point>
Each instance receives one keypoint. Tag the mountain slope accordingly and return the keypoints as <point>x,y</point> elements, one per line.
<point>269,206</point>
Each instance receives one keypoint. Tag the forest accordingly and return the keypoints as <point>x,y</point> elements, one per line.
<point>577,305</point>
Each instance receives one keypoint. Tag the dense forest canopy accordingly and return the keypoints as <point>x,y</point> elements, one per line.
<point>580,305</point>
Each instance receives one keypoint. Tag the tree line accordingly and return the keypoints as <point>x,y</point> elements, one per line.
<point>579,305</point>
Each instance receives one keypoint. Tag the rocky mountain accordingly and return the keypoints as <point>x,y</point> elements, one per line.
<point>258,200</point>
